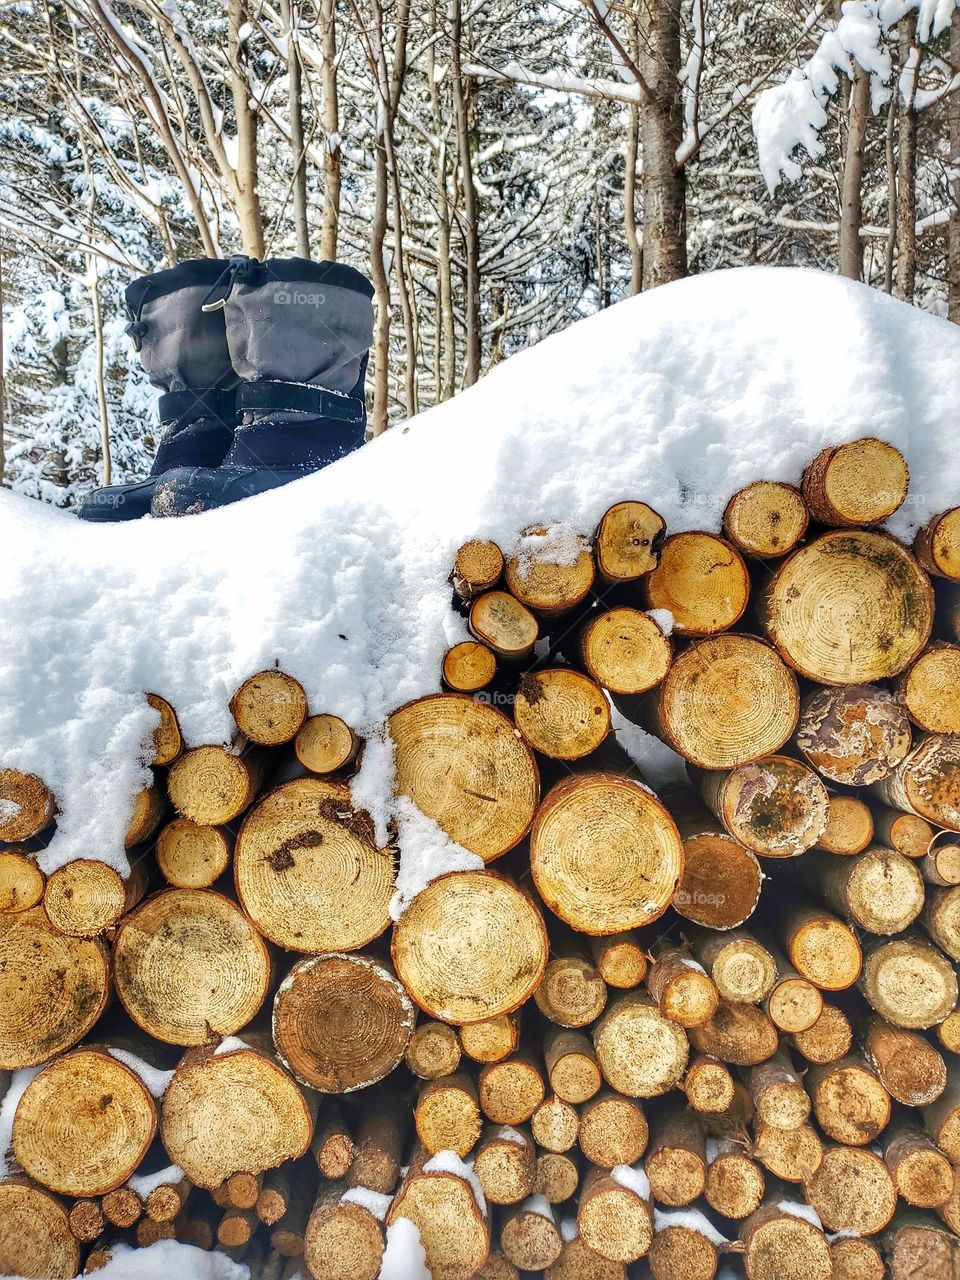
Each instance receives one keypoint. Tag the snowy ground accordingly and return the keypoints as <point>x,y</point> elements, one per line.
<point>677,397</point>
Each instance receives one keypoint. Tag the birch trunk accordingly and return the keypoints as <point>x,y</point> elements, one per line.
<point>331,131</point>
<point>661,131</point>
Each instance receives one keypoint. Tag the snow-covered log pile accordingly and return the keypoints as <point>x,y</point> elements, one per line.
<point>632,933</point>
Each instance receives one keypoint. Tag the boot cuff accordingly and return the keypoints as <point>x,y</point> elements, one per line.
<point>302,269</point>
<point>195,271</point>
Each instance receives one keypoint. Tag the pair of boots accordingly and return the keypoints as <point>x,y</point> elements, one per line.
<point>261,366</point>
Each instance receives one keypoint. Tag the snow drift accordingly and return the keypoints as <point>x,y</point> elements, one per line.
<point>677,398</point>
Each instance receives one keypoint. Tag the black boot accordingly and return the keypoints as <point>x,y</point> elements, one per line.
<point>298,334</point>
<point>184,353</point>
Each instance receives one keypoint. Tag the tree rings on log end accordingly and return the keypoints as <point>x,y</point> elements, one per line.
<point>191,856</point>
<point>468,666</point>
<point>230,1113</point>
<point>269,708</point>
<point>26,806</point>
<point>471,946</point>
<point>702,580</point>
<point>628,541</point>
<point>341,1022</point>
<point>35,1236</point>
<point>561,714</point>
<point>503,624</point>
<point>775,806</point>
<point>190,966</point>
<point>53,988</point>
<point>212,785</point>
<point>83,1124</point>
<point>464,765</point>
<point>552,571</point>
<point>766,519</point>
<point>863,482</point>
<point>325,744</point>
<point>21,882</point>
<point>625,651</point>
<point>167,738</point>
<point>910,983</point>
<point>641,1053</point>
<point>308,871</point>
<point>854,735</point>
<point>852,607</point>
<point>727,700</point>
<point>604,853</point>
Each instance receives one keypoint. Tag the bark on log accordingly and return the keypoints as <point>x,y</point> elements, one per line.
<point>468,666</point>
<point>53,988</point>
<point>381,1136</point>
<point>828,1039</point>
<point>683,990</point>
<point>326,744</point>
<point>189,965</point>
<point>725,701</point>
<point>734,1186</point>
<point>909,982</point>
<point>948,1032</point>
<point>928,690</point>
<point>26,806</point>
<point>821,948</point>
<point>909,1067</point>
<point>504,625</point>
<point>269,708</point>
<point>560,713</point>
<point>942,918</point>
<point>86,898</point>
<point>546,579</point>
<point>849,826</point>
<point>737,1033</point>
<point>433,1050</point>
<point>571,1066</point>
<point>613,1130</point>
<point>84,1124</point>
<point>625,651</point>
<point>471,946</point>
<point>529,1236</point>
<point>571,993</point>
<point>766,519</point>
<point>743,970</point>
<point>341,1022</point>
<point>613,1219</point>
<point>937,545</point>
<point>676,1160</point>
<point>167,738</point>
<point>849,1100</point>
<point>555,1125</point>
<point>308,871</point>
<point>921,1172</point>
<point>510,1091</point>
<point>604,853</point>
<point>877,598</point>
<point>506,1164</point>
<point>229,1112</point>
<point>463,765</point>
<point>35,1236</point>
<point>880,890</point>
<point>447,1115</point>
<point>212,785</point>
<point>778,1096</point>
<point>641,1053</point>
<point>702,580</point>
<point>780,1243</point>
<point>908,833</point>
<point>453,1230</point>
<point>21,882</point>
<point>940,865</point>
<point>942,1117</point>
<point>628,541</point>
<point>620,959</point>
<point>860,483</point>
<point>854,735</point>
<point>927,782</point>
<point>775,806</point>
<point>477,568</point>
<point>191,856</point>
<point>852,1191</point>
<point>491,1040</point>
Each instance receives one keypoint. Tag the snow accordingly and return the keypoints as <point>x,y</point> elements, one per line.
<point>404,1258</point>
<point>633,1178</point>
<point>341,578</point>
<point>506,1133</point>
<point>374,1202</point>
<point>144,1183</point>
<point>663,618</point>
<point>155,1080</point>
<point>797,1209</point>
<point>692,1219</point>
<point>539,1205</point>
<point>450,1162</point>
<point>569,1229</point>
<point>8,1108</point>
<point>168,1258</point>
<point>230,1044</point>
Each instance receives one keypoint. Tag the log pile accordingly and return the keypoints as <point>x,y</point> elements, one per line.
<point>714,1024</point>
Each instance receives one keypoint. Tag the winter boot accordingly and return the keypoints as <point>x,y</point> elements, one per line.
<point>184,352</point>
<point>298,334</point>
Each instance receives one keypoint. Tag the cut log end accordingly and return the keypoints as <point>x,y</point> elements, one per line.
<point>477,568</point>
<point>326,744</point>
<point>775,806</point>
<point>766,519</point>
<point>433,1051</point>
<point>854,735</point>
<point>613,1220</point>
<point>702,580</point>
<point>850,826</point>
<point>35,1236</point>
<point>447,1115</point>
<point>910,983</point>
<point>491,1040</point>
<point>167,738</point>
<point>26,806</point>
<point>734,1185</point>
<point>269,708</point>
<point>641,1053</point>
<point>504,625</point>
<point>561,714</point>
<point>85,898</point>
<point>547,578</point>
<point>860,483</point>
<point>852,1191</point>
<point>21,882</point>
<point>191,856</point>
<point>625,651</point>
<point>937,545</point>
<point>779,1245</point>
<point>211,785</point>
<point>555,1124</point>
<point>929,689</point>
<point>628,541</point>
<point>613,1130</point>
<point>468,666</point>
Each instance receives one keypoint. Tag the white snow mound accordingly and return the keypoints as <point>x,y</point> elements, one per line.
<point>677,397</point>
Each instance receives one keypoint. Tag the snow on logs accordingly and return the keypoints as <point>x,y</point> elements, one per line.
<point>719,1022</point>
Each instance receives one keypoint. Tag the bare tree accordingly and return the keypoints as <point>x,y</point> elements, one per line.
<point>906,230</point>
<point>331,129</point>
<point>849,241</point>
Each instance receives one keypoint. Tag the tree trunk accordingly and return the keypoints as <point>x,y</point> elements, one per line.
<point>247,195</point>
<point>907,161</point>
<point>331,132</point>
<point>953,228</point>
<point>850,245</point>
<point>469,218</point>
<point>661,131</point>
<point>290,17</point>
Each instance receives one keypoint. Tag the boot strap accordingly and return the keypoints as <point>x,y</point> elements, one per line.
<point>299,397</point>
<point>182,407</point>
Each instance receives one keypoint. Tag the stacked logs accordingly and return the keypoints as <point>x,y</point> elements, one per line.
<point>712,1025</point>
